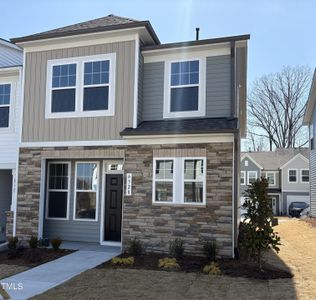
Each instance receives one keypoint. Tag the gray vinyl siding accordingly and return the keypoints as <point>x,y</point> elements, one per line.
<point>10,57</point>
<point>36,128</point>
<point>312,164</point>
<point>217,85</point>
<point>251,167</point>
<point>153,91</point>
<point>5,199</point>
<point>71,230</point>
<point>140,88</point>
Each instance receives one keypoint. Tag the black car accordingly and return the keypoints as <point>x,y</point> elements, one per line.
<point>296,208</point>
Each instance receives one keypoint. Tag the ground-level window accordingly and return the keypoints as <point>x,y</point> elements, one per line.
<point>252,176</point>
<point>86,190</point>
<point>304,175</point>
<point>5,92</point>
<point>58,190</point>
<point>292,176</point>
<point>179,180</point>
<point>243,177</point>
<point>271,178</point>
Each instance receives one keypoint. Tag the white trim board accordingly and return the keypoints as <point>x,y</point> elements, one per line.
<point>136,73</point>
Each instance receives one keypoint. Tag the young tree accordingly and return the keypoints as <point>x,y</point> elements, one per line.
<point>258,234</point>
<point>277,104</point>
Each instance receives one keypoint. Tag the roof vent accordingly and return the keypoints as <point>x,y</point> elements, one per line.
<point>197,30</point>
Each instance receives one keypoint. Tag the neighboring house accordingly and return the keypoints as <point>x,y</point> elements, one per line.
<point>126,137</point>
<point>11,58</point>
<point>310,121</point>
<point>287,171</point>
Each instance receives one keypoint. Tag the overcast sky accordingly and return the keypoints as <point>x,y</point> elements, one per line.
<point>282,32</point>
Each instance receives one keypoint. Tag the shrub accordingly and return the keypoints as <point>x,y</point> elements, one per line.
<point>56,242</point>
<point>168,264</point>
<point>13,242</point>
<point>212,269</point>
<point>176,248</point>
<point>43,242</point>
<point>33,242</point>
<point>123,261</point>
<point>210,250</point>
<point>135,247</point>
<point>257,230</point>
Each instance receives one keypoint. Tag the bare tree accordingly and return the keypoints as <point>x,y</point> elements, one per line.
<point>277,104</point>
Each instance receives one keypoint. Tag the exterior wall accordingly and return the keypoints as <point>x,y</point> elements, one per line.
<point>312,165</point>
<point>153,224</point>
<point>251,167</point>
<point>5,199</point>
<point>298,164</point>
<point>9,56</point>
<point>218,88</point>
<point>37,128</point>
<point>140,88</point>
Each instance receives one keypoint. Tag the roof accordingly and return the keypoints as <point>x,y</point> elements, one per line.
<point>183,126</point>
<point>107,23</point>
<point>310,102</point>
<point>274,160</point>
<point>10,54</point>
<point>198,42</point>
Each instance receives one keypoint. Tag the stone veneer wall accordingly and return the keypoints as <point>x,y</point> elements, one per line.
<point>9,224</point>
<point>155,225</point>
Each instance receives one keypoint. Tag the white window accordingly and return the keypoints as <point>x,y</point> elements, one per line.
<point>81,87</point>
<point>271,178</point>
<point>243,177</point>
<point>246,163</point>
<point>179,180</point>
<point>5,100</point>
<point>292,175</point>
<point>304,175</point>
<point>86,191</point>
<point>57,196</point>
<point>184,88</point>
<point>252,177</point>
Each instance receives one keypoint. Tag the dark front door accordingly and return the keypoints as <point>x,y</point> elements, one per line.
<point>113,207</point>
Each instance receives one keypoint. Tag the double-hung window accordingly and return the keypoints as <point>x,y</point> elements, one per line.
<point>305,175</point>
<point>252,176</point>
<point>81,86</point>
<point>271,178</point>
<point>86,190</point>
<point>184,91</point>
<point>58,184</point>
<point>5,100</point>
<point>179,180</point>
<point>292,175</point>
<point>243,177</point>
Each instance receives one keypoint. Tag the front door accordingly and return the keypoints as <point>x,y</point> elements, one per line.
<point>113,207</point>
<point>274,205</point>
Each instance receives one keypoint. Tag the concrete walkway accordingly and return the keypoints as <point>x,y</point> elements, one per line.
<point>44,277</point>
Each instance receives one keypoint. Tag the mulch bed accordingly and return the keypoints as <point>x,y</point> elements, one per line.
<point>32,257</point>
<point>230,267</point>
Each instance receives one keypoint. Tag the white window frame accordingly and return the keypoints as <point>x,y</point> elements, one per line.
<point>11,106</point>
<point>87,191</point>
<point>246,163</point>
<point>79,88</point>
<point>167,89</point>
<point>178,181</point>
<point>248,176</point>
<point>244,176</point>
<point>301,176</point>
<point>274,177</point>
<point>288,176</point>
<point>54,190</point>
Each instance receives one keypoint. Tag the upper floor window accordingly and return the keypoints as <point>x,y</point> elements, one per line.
<point>5,99</point>
<point>271,178</point>
<point>305,175</point>
<point>292,176</point>
<point>252,176</point>
<point>242,177</point>
<point>81,86</point>
<point>184,90</point>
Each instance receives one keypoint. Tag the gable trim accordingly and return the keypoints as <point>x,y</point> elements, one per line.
<point>293,158</point>
<point>252,159</point>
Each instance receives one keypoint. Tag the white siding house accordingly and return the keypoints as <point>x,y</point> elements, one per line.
<point>10,119</point>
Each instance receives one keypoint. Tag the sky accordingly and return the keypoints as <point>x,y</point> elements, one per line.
<point>282,32</point>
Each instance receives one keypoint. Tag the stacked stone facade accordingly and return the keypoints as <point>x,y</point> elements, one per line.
<point>154,224</point>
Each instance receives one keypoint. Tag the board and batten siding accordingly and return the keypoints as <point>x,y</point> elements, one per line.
<point>140,88</point>
<point>312,165</point>
<point>218,88</point>
<point>36,128</point>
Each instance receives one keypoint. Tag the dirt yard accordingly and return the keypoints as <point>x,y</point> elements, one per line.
<point>298,254</point>
<point>9,270</point>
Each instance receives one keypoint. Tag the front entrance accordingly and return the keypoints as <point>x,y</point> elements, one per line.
<point>113,207</point>
<point>274,205</point>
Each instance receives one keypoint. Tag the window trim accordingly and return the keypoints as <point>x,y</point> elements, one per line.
<point>301,175</point>
<point>79,88</point>
<point>178,181</point>
<point>11,107</point>
<point>274,177</point>
<point>254,172</point>
<point>167,89</point>
<point>48,190</point>
<point>288,176</point>
<point>96,219</point>
<point>244,173</point>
